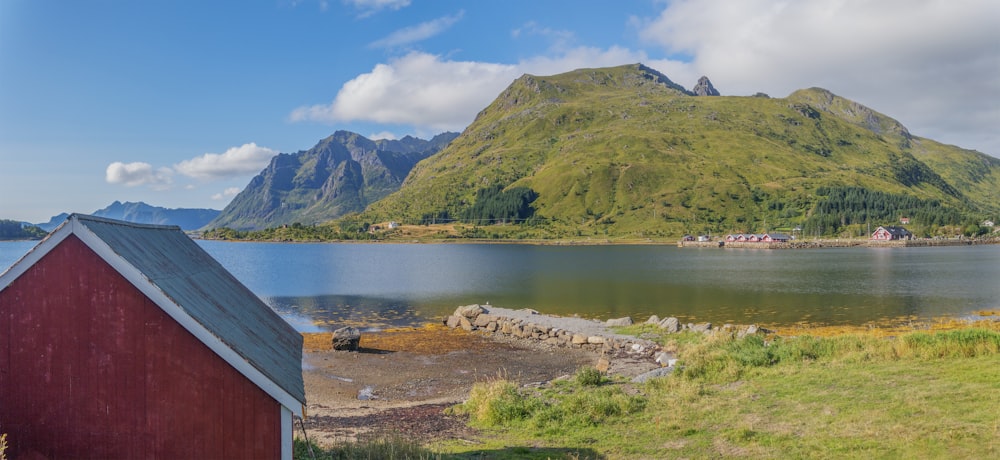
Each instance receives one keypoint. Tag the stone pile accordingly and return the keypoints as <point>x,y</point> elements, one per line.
<point>672,325</point>
<point>529,324</point>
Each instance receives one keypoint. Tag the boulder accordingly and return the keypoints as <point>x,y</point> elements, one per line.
<point>595,339</point>
<point>464,323</point>
<point>659,372</point>
<point>470,311</point>
<point>484,319</point>
<point>603,365</point>
<point>579,339</point>
<point>653,320</point>
<point>452,321</point>
<point>346,339</point>
<point>626,321</point>
<point>702,327</point>
<point>670,325</point>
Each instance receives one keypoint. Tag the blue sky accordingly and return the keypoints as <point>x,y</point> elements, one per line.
<point>180,103</point>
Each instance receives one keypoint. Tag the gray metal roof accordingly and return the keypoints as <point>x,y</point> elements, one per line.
<point>209,294</point>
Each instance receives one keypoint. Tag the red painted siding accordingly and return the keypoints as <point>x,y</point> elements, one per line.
<point>91,368</point>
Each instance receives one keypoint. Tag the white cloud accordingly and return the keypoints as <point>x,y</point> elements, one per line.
<point>138,173</point>
<point>227,193</point>
<point>932,64</point>
<point>237,161</point>
<point>417,33</point>
<point>417,89</point>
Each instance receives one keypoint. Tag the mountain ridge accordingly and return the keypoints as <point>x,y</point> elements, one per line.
<point>341,174</point>
<point>625,151</point>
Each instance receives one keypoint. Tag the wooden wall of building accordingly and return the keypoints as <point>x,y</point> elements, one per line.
<point>91,368</point>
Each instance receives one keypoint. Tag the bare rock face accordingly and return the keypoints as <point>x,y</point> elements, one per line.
<point>705,88</point>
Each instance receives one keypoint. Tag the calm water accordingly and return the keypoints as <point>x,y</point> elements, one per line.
<point>394,284</point>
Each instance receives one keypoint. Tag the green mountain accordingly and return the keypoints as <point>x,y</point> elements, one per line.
<point>341,174</point>
<point>624,151</point>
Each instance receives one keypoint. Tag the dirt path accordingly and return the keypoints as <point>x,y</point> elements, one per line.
<point>402,380</point>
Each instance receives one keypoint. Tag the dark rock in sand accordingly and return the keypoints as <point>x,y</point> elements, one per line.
<point>346,339</point>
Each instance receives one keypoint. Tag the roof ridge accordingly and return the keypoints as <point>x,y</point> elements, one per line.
<point>124,223</point>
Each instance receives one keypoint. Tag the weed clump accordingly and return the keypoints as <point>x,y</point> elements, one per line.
<point>589,376</point>
<point>497,403</point>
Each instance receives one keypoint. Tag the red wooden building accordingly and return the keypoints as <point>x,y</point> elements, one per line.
<point>122,340</point>
<point>891,233</point>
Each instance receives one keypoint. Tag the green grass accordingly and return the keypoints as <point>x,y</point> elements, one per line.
<point>920,395</point>
<point>917,395</point>
<point>373,449</point>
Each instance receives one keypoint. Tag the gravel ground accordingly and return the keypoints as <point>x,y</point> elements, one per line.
<point>401,381</point>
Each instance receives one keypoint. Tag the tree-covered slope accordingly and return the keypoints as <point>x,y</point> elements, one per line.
<point>341,174</point>
<point>625,151</point>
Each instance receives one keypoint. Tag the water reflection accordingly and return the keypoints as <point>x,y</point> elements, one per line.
<point>322,286</point>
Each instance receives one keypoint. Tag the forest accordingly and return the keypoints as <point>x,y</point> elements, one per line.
<point>14,230</point>
<point>841,207</point>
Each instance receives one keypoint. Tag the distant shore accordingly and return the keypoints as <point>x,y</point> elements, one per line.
<point>840,243</point>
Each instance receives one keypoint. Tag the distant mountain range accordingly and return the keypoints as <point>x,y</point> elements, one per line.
<point>342,174</point>
<point>142,213</point>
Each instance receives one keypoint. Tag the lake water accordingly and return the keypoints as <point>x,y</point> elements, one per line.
<point>318,286</point>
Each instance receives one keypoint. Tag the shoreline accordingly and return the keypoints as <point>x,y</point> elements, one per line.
<point>841,243</point>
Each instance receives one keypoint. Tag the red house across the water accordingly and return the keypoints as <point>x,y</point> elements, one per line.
<point>123,340</point>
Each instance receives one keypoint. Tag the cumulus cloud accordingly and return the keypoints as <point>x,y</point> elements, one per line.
<point>227,193</point>
<point>928,63</point>
<point>419,32</point>
<point>138,173</point>
<point>236,161</point>
<point>417,89</point>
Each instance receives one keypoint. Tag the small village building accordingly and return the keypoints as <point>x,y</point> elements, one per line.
<point>904,220</point>
<point>124,340</point>
<point>987,223</point>
<point>891,233</point>
<point>687,238</point>
<point>704,238</point>
<point>775,238</point>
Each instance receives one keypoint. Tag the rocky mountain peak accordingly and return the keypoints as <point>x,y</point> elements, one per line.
<point>705,88</point>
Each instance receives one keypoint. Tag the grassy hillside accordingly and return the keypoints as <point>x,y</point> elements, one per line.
<point>625,152</point>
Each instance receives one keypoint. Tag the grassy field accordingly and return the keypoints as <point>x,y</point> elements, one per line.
<point>924,394</point>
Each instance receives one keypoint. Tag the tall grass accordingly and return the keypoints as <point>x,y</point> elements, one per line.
<point>724,357</point>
